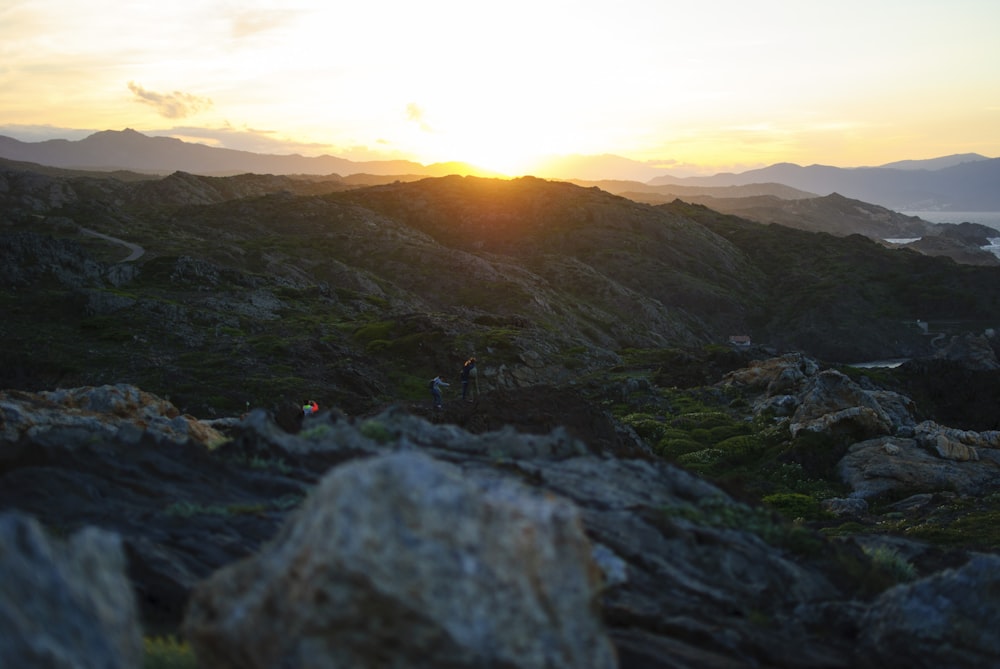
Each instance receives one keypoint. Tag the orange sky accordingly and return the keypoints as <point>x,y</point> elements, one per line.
<point>696,87</point>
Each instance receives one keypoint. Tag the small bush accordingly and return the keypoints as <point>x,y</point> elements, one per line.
<point>376,431</point>
<point>673,448</point>
<point>890,561</point>
<point>167,653</point>
<point>793,505</point>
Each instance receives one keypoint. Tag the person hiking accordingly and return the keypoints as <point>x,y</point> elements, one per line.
<point>310,408</point>
<point>435,386</point>
<point>468,369</point>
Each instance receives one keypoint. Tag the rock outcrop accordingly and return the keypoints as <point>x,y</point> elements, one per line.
<point>892,452</point>
<point>402,560</point>
<point>388,538</point>
<point>946,620</point>
<point>65,603</point>
<point>104,409</point>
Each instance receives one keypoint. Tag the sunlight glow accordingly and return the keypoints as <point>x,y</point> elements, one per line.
<point>729,82</point>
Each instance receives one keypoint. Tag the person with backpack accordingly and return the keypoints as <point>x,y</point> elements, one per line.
<point>468,369</point>
<point>435,386</point>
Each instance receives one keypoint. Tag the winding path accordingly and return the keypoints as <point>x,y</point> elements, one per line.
<point>136,250</point>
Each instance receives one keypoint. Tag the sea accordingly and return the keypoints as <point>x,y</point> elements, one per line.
<point>990,218</point>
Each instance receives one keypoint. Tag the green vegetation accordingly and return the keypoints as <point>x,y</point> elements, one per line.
<point>711,432</point>
<point>964,522</point>
<point>891,562</point>
<point>772,528</point>
<point>376,431</point>
<point>167,653</point>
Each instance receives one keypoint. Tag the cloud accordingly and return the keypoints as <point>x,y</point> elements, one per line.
<point>415,113</point>
<point>253,22</point>
<point>170,105</point>
<point>243,139</point>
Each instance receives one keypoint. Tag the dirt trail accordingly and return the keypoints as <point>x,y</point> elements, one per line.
<point>136,250</point>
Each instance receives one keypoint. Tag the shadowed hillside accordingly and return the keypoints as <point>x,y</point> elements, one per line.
<point>267,289</point>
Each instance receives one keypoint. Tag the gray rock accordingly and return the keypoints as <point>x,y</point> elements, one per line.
<point>849,506</point>
<point>972,351</point>
<point>100,409</point>
<point>946,620</point>
<point>831,402</point>
<point>402,560</point>
<point>65,605</point>
<point>885,464</point>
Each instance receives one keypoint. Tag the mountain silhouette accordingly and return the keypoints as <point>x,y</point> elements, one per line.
<point>961,182</point>
<point>130,150</point>
<point>960,186</point>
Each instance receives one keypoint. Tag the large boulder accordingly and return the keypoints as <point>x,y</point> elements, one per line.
<point>65,604</point>
<point>401,560</point>
<point>946,620</point>
<point>831,402</point>
<point>886,464</point>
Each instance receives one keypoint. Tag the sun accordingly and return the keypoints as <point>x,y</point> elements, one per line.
<point>497,140</point>
<point>508,154</point>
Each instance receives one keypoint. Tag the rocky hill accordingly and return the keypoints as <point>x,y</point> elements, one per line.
<point>833,214</point>
<point>264,289</point>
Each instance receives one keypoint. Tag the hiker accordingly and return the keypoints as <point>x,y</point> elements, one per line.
<point>310,408</point>
<point>435,386</point>
<point>467,369</point>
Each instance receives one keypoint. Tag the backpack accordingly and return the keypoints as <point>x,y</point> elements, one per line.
<point>431,384</point>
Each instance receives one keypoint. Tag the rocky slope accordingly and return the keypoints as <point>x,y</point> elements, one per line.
<point>265,289</point>
<point>394,540</point>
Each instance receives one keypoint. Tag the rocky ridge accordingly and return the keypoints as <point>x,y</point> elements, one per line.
<point>587,555</point>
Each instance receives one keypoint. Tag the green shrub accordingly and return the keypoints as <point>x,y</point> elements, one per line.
<point>701,419</point>
<point>376,431</point>
<point>721,433</point>
<point>890,561</point>
<point>673,448</point>
<point>793,505</point>
<point>743,444</point>
<point>699,460</point>
<point>373,331</point>
<point>167,653</point>
<point>646,426</point>
<point>772,528</point>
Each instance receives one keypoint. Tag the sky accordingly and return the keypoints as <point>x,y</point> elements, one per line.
<point>693,87</point>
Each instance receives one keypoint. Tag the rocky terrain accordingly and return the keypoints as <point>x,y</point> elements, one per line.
<point>625,489</point>
<point>263,290</point>
<point>392,540</point>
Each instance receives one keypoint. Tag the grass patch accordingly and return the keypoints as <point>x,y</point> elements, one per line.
<point>167,653</point>
<point>769,526</point>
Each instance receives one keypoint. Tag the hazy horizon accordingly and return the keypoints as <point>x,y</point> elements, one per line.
<point>576,167</point>
<point>695,89</point>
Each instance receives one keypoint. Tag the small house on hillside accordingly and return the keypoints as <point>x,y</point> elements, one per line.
<point>739,341</point>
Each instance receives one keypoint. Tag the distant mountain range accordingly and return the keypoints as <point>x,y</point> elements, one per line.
<point>967,182</point>
<point>112,150</point>
<point>961,182</point>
